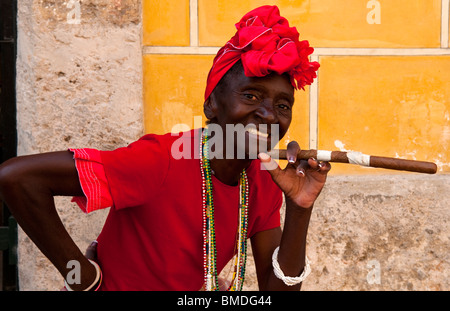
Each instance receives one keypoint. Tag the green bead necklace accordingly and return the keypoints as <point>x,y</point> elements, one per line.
<point>209,235</point>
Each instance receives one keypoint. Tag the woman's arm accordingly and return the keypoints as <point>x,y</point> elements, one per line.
<point>291,255</point>
<point>301,183</point>
<point>28,185</point>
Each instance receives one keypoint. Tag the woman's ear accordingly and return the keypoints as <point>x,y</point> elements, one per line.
<point>210,108</point>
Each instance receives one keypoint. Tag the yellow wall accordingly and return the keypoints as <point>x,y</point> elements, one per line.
<point>383,86</point>
<point>332,23</point>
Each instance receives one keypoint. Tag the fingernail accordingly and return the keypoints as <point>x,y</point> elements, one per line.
<point>263,156</point>
<point>301,171</point>
<point>291,159</point>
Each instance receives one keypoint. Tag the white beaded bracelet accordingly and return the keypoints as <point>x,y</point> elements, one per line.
<point>289,281</point>
<point>97,281</point>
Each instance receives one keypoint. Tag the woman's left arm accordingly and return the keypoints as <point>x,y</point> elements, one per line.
<point>301,183</point>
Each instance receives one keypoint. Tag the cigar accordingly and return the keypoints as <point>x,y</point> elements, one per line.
<point>359,158</point>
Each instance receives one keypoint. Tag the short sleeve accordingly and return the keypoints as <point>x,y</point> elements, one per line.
<point>273,216</point>
<point>135,173</point>
<point>92,180</point>
<point>266,199</point>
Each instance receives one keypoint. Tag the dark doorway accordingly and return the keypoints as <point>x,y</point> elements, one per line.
<point>8,138</point>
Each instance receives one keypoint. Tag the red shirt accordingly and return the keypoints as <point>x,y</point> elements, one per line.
<point>152,238</point>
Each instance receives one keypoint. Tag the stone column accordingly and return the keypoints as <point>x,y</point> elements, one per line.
<point>79,84</point>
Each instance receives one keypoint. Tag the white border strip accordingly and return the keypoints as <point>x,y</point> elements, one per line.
<point>445,23</point>
<point>212,50</point>
<point>193,23</point>
<point>380,51</point>
<point>203,50</point>
<point>314,109</point>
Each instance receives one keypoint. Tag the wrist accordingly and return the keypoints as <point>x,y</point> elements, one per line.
<point>289,281</point>
<point>298,208</point>
<point>90,284</point>
<point>296,223</point>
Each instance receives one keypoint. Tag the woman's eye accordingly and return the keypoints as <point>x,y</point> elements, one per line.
<point>251,97</point>
<point>284,106</point>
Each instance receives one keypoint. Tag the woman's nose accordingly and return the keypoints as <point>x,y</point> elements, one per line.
<point>267,112</point>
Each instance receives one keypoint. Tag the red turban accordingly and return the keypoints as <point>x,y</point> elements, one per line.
<point>265,43</point>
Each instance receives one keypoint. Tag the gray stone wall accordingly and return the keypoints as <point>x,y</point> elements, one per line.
<point>381,232</point>
<point>79,84</point>
<point>387,232</point>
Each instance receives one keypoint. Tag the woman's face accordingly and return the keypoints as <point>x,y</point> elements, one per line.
<point>265,102</point>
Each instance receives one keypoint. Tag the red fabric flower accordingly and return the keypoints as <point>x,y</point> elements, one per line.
<point>265,43</point>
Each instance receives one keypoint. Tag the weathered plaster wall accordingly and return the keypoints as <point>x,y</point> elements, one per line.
<point>78,85</point>
<point>381,233</point>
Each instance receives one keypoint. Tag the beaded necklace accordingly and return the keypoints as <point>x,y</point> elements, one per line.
<point>209,234</point>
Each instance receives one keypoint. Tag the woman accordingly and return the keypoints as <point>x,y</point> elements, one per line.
<point>175,223</point>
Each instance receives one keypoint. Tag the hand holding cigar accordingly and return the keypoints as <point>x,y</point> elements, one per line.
<point>359,158</point>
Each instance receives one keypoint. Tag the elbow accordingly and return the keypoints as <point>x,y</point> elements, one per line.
<point>10,176</point>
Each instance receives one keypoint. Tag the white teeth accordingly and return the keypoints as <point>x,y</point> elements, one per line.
<point>254,131</point>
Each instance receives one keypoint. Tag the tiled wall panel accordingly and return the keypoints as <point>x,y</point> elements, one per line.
<point>173,90</point>
<point>383,85</point>
<point>392,106</point>
<point>165,22</point>
<point>331,23</point>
